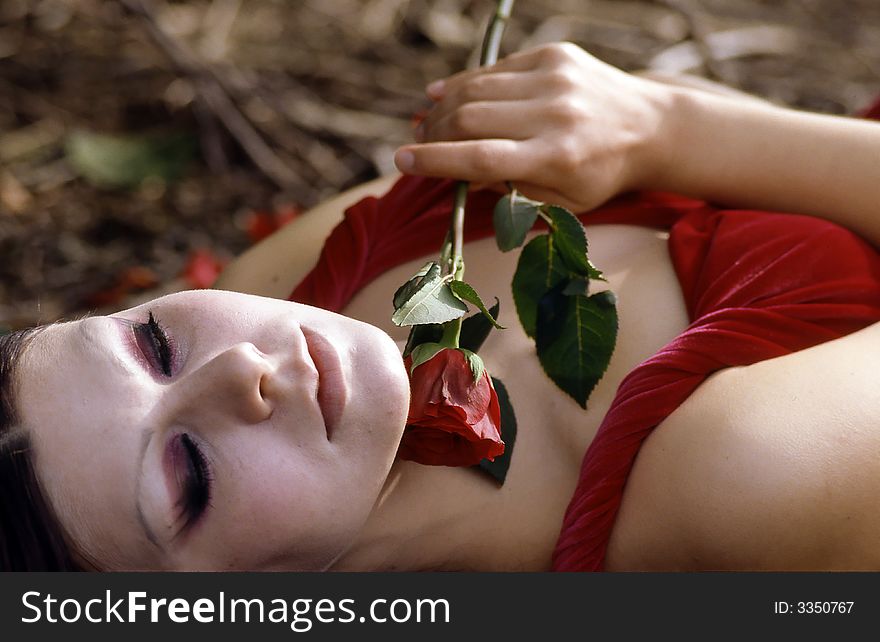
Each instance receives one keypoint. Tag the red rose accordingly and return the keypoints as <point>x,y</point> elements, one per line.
<point>453,420</point>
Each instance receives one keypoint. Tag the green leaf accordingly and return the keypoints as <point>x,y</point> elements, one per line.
<point>570,239</point>
<point>498,468</point>
<point>426,333</point>
<point>467,293</point>
<point>406,290</point>
<point>424,352</point>
<point>513,217</point>
<point>575,339</point>
<point>577,285</point>
<point>595,273</point>
<point>539,269</point>
<point>474,329</point>
<point>125,161</point>
<point>429,300</point>
<point>475,363</point>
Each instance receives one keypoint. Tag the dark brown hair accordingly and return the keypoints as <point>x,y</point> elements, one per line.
<point>31,538</point>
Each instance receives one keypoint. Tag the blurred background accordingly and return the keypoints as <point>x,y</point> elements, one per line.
<point>144,144</point>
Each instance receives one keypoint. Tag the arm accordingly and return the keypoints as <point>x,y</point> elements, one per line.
<point>276,265</point>
<point>771,466</point>
<point>570,129</point>
<point>767,157</point>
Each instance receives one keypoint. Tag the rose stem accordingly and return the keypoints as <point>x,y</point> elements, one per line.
<point>488,56</point>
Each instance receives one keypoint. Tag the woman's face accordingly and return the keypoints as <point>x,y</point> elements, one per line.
<point>214,430</point>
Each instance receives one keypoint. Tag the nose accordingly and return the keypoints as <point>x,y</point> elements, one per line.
<point>231,386</point>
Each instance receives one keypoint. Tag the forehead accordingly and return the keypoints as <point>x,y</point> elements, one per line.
<point>85,416</point>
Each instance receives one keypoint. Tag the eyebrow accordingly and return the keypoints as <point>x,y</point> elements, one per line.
<point>146,436</point>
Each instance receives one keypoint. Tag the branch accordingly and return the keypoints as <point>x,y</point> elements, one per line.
<point>216,98</point>
<point>698,35</point>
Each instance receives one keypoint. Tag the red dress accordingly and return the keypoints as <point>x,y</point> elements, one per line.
<point>757,285</point>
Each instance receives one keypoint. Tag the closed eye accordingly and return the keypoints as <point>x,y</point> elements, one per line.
<point>154,344</point>
<point>194,479</point>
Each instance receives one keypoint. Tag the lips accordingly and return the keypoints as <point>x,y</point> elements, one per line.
<point>332,390</point>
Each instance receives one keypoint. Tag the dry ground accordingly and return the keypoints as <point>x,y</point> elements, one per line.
<point>237,106</point>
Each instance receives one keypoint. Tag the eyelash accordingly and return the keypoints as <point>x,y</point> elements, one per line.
<point>196,494</point>
<point>197,489</point>
<point>158,342</point>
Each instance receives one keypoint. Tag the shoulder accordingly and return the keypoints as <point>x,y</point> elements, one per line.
<point>277,264</point>
<point>770,466</point>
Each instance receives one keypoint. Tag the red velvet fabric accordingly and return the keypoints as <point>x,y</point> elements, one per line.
<point>410,222</point>
<point>757,285</point>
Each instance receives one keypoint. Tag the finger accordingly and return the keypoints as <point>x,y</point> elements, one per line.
<point>487,88</point>
<point>508,85</point>
<point>516,120</point>
<point>540,57</point>
<point>483,161</point>
<point>547,195</point>
<point>518,62</point>
<point>501,188</point>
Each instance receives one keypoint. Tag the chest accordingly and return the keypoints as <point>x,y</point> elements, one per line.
<point>650,309</point>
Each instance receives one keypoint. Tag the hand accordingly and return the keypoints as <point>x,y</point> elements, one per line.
<point>561,125</point>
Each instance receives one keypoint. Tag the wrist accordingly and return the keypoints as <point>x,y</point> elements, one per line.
<point>701,139</point>
<point>650,158</point>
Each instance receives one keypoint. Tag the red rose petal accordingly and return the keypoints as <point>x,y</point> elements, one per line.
<point>453,420</point>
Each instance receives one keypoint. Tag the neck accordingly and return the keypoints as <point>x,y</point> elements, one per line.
<point>431,518</point>
<point>459,519</point>
<point>442,518</point>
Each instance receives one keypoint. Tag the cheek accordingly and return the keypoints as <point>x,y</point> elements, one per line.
<point>285,509</point>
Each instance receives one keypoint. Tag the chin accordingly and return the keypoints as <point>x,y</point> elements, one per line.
<point>391,379</point>
<point>384,385</point>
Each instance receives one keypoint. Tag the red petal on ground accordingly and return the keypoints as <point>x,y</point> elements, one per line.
<point>259,225</point>
<point>202,269</point>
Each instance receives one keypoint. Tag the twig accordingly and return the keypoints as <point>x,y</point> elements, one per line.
<point>212,143</point>
<point>817,18</point>
<point>698,35</point>
<point>219,19</point>
<point>488,56</point>
<point>218,100</point>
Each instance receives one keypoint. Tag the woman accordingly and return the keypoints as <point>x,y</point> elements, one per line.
<point>225,431</point>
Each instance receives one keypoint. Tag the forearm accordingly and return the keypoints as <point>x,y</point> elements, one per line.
<point>761,156</point>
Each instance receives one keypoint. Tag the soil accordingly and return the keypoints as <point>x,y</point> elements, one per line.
<point>143,143</point>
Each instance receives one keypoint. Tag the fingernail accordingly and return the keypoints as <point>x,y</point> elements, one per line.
<point>435,89</point>
<point>404,160</point>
